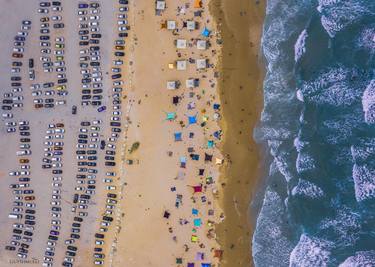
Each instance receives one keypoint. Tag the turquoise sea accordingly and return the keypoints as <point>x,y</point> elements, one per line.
<point>318,127</point>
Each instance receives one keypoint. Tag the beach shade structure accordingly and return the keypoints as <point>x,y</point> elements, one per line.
<point>171,25</point>
<point>198,13</point>
<point>173,85</point>
<point>192,83</point>
<point>181,43</point>
<point>197,3</point>
<point>192,119</point>
<point>166,214</point>
<point>197,188</point>
<point>190,264</point>
<point>201,172</point>
<point>170,116</point>
<point>160,5</point>
<point>206,32</point>
<point>191,25</point>
<point>194,239</point>
<point>175,100</point>
<point>183,162</point>
<point>181,64</point>
<point>217,134</point>
<point>201,63</point>
<point>207,157</point>
<point>177,136</point>
<point>216,106</point>
<point>197,222</point>
<point>202,44</point>
<point>210,144</point>
<point>178,260</point>
<point>199,256</point>
<point>194,211</point>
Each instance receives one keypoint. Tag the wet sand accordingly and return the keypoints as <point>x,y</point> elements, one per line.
<point>240,85</point>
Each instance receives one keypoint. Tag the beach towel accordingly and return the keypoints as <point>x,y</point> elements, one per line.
<point>194,211</point>
<point>197,188</point>
<point>170,116</point>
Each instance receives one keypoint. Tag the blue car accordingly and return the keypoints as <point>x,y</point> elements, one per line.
<point>102,108</point>
<point>83,5</point>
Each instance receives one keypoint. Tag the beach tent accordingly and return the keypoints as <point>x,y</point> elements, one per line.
<point>217,134</point>
<point>201,172</point>
<point>191,105</point>
<point>181,43</point>
<point>191,25</point>
<point>201,63</point>
<point>197,3</point>
<point>218,253</point>
<point>170,66</point>
<point>194,156</point>
<point>198,13</point>
<point>210,144</point>
<point>206,265</point>
<point>206,32</point>
<point>197,188</point>
<point>194,211</point>
<point>202,44</point>
<point>209,180</point>
<point>175,100</point>
<point>160,5</point>
<point>178,136</point>
<point>197,222</point>
<point>178,260</point>
<point>191,135</point>
<point>194,239</point>
<point>207,157</point>
<point>172,85</point>
<point>171,25</point>
<point>181,64</point>
<point>170,116</point>
<point>192,119</point>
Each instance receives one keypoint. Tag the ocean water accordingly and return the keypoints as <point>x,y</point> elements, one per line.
<point>318,125</point>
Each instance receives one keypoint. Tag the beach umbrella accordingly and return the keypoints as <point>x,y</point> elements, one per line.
<point>178,136</point>
<point>190,264</point>
<point>206,32</point>
<point>197,222</point>
<point>170,116</point>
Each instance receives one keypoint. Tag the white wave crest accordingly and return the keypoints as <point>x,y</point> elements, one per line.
<point>364,150</point>
<point>299,46</point>
<point>364,182</point>
<point>305,162</point>
<point>368,103</point>
<point>271,247</point>
<point>311,251</point>
<point>360,259</point>
<point>307,189</point>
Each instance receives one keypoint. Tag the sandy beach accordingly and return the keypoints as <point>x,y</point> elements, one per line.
<point>240,85</point>
<point>169,206</point>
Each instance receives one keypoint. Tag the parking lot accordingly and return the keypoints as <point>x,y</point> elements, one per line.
<point>61,91</point>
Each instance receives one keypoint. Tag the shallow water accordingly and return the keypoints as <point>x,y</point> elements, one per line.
<point>318,123</point>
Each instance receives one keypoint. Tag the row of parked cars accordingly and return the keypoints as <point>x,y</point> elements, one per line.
<point>89,40</point>
<point>115,124</point>
<point>52,53</point>
<point>23,210</point>
<point>14,97</point>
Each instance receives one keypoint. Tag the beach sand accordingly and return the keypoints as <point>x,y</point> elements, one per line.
<point>146,238</point>
<point>240,23</point>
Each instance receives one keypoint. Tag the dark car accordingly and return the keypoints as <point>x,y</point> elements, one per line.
<point>109,158</point>
<point>92,164</point>
<point>83,5</point>
<point>83,43</point>
<point>96,35</point>
<point>123,2</point>
<point>44,37</point>
<point>97,235</point>
<point>94,48</point>
<point>110,163</point>
<point>96,103</point>
<point>75,236</point>
<point>115,123</point>
<point>102,108</point>
<point>30,211</point>
<point>95,63</point>
<point>24,179</point>
<point>72,248</point>
<point>82,141</point>
<point>76,224</point>
<point>52,237</point>
<point>10,248</point>
<point>28,222</point>
<point>27,233</point>
<point>116,76</point>
<point>70,253</point>
<point>119,54</point>
<point>123,34</point>
<point>4,107</point>
<point>31,63</point>
<point>57,171</point>
<point>102,144</point>
<point>15,78</point>
<point>58,25</point>
<point>78,219</point>
<point>25,140</point>
<point>111,195</point>
<point>74,110</point>
<point>83,136</point>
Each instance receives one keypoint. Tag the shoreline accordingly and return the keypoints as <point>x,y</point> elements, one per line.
<point>241,95</point>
